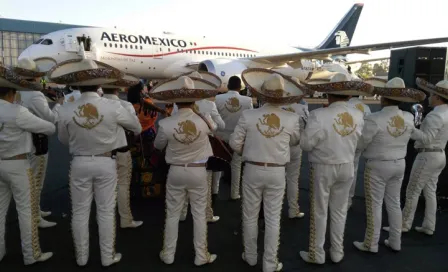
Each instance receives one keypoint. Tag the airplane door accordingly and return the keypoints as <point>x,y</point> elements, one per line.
<point>71,43</point>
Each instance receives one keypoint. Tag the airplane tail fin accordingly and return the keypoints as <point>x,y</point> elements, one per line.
<point>342,34</point>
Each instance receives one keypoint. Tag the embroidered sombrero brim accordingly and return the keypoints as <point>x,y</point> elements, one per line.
<point>318,81</point>
<point>210,77</point>
<point>168,91</point>
<point>293,91</point>
<point>429,87</point>
<point>352,88</point>
<point>400,94</point>
<point>11,80</point>
<point>74,73</point>
<point>126,81</point>
<point>28,73</point>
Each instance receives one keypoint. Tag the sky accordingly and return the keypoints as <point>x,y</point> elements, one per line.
<point>289,22</point>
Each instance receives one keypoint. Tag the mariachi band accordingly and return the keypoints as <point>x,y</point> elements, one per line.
<point>258,149</point>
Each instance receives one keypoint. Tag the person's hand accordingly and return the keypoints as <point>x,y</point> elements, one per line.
<point>60,100</point>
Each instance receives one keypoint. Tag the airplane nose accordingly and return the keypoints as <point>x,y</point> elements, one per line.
<point>25,54</point>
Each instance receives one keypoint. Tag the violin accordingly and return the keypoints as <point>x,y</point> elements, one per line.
<point>152,109</point>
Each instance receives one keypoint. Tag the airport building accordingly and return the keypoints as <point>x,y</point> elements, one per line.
<point>16,35</point>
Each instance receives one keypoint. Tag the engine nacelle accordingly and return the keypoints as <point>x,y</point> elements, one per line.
<point>223,68</point>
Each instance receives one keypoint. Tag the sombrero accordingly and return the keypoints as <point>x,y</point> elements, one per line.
<point>440,89</point>
<point>210,77</point>
<point>27,68</point>
<point>10,79</point>
<point>83,72</point>
<point>342,84</point>
<point>395,89</point>
<point>183,89</point>
<point>126,81</point>
<point>273,87</point>
<point>315,81</point>
<point>375,81</point>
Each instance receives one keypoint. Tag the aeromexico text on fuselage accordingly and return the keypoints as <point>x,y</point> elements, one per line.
<point>114,37</point>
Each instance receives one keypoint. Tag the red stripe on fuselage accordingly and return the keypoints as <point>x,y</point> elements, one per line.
<point>187,49</point>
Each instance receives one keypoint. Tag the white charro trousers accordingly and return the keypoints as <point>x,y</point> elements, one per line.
<point>355,178</point>
<point>124,172</point>
<point>292,181</point>
<point>235,165</point>
<point>382,181</point>
<point>182,182</point>
<point>16,180</point>
<point>215,182</point>
<point>424,176</point>
<point>93,178</point>
<point>267,185</point>
<point>39,166</point>
<point>329,188</point>
<point>209,209</point>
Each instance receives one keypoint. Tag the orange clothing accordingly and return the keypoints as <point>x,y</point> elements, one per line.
<point>146,120</point>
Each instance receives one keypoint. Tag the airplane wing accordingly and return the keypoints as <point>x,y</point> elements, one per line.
<point>326,53</point>
<point>365,60</point>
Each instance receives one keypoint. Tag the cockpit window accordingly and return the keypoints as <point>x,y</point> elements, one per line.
<point>47,42</point>
<point>38,41</point>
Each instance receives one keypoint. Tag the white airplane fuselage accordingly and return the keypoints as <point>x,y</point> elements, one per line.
<point>159,56</point>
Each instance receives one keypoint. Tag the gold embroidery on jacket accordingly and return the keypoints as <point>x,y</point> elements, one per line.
<point>396,126</point>
<point>90,113</point>
<point>189,131</point>
<point>272,121</point>
<point>344,124</point>
<point>18,99</point>
<point>233,104</point>
<point>71,99</point>
<point>196,108</point>
<point>360,107</point>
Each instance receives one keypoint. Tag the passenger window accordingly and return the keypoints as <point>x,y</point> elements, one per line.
<point>105,44</point>
<point>121,46</point>
<point>132,47</point>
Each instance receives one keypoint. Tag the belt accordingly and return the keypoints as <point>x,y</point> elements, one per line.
<point>190,164</point>
<point>385,160</point>
<point>16,158</point>
<point>123,149</point>
<point>421,150</point>
<point>265,164</point>
<point>110,154</point>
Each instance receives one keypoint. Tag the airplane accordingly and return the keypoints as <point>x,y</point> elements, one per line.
<point>164,55</point>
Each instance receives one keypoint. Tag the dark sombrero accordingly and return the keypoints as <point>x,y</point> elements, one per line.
<point>395,89</point>
<point>10,79</point>
<point>342,84</point>
<point>273,87</point>
<point>183,89</point>
<point>440,89</point>
<point>84,72</point>
<point>27,68</point>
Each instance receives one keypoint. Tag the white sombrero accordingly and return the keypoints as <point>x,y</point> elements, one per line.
<point>315,81</point>
<point>376,81</point>
<point>84,72</point>
<point>126,81</point>
<point>10,79</point>
<point>440,89</point>
<point>210,77</point>
<point>395,89</point>
<point>27,68</point>
<point>342,84</point>
<point>273,87</point>
<point>183,89</point>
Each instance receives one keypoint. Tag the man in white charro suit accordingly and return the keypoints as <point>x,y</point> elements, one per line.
<point>263,138</point>
<point>16,174</point>
<point>37,104</point>
<point>184,136</point>
<point>383,143</point>
<point>124,159</point>
<point>231,106</point>
<point>204,107</point>
<point>293,167</point>
<point>330,138</point>
<point>90,126</point>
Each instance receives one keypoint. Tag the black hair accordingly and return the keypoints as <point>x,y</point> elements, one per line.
<point>134,96</point>
<point>184,104</point>
<point>339,97</point>
<point>110,90</point>
<point>6,90</point>
<point>391,102</point>
<point>234,83</point>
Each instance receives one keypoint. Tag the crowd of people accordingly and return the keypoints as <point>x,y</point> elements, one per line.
<point>266,145</point>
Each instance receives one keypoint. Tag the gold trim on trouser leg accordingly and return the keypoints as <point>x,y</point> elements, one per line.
<point>370,229</point>
<point>209,209</point>
<point>162,253</point>
<point>279,232</point>
<point>128,178</point>
<point>114,251</point>
<point>412,187</point>
<point>70,184</point>
<point>312,244</point>
<point>35,217</point>
<point>298,184</point>
<point>38,179</point>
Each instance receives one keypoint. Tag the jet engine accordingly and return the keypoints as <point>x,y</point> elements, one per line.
<point>223,68</point>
